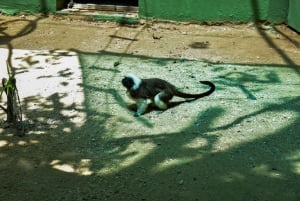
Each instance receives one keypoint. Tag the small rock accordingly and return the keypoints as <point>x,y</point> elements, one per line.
<point>156,37</point>
<point>116,63</point>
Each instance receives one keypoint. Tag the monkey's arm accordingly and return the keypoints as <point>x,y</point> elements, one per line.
<point>142,105</point>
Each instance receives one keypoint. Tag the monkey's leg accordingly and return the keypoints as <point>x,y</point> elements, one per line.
<point>160,100</point>
<point>141,107</point>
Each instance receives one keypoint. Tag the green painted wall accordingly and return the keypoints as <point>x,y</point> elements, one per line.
<point>294,14</point>
<point>29,6</point>
<point>278,11</point>
<point>178,10</point>
<point>215,10</point>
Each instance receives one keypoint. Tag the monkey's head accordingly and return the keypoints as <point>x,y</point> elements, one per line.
<point>127,82</point>
<point>131,82</point>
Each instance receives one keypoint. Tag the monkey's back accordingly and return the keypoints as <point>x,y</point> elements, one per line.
<point>150,87</point>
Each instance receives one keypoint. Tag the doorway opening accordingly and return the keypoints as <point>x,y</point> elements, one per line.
<point>102,5</point>
<point>109,2</point>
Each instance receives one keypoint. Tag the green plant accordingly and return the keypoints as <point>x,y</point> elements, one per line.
<point>13,109</point>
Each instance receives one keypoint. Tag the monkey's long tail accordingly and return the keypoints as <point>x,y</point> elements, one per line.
<point>196,96</point>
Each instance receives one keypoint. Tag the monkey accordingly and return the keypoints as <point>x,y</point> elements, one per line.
<point>157,90</point>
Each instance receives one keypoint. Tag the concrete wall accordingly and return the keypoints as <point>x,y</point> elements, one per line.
<point>178,10</point>
<point>294,14</point>
<point>29,6</point>
<point>278,11</point>
<point>216,10</point>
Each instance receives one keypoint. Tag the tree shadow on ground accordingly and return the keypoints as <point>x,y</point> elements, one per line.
<point>256,17</point>
<point>6,38</point>
<point>112,156</point>
<point>223,148</point>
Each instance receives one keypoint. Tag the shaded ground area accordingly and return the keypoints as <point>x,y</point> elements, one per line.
<point>83,143</point>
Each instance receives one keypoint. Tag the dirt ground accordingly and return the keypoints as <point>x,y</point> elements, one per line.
<point>83,143</point>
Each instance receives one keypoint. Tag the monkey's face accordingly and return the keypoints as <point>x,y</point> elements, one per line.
<point>128,82</point>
